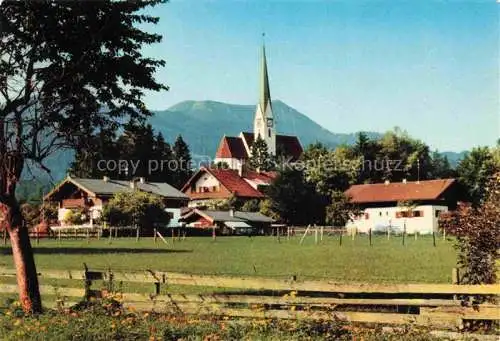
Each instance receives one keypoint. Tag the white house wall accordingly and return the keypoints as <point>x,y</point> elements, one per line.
<point>386,216</point>
<point>207,180</point>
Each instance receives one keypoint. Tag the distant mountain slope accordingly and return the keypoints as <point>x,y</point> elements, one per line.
<point>203,123</point>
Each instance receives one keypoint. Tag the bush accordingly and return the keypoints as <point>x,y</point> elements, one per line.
<point>108,321</point>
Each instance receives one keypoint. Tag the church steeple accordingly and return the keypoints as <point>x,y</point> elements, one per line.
<point>264,125</point>
<point>265,94</point>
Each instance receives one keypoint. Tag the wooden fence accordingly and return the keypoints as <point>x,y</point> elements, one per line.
<point>431,305</point>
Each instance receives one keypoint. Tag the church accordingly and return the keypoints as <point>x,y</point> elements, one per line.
<point>236,150</point>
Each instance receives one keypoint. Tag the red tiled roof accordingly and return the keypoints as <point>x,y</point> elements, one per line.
<point>230,179</point>
<point>231,147</point>
<point>289,145</point>
<point>399,191</point>
<point>266,177</point>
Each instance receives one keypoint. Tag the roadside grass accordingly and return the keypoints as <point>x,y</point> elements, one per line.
<point>109,322</point>
<point>386,261</point>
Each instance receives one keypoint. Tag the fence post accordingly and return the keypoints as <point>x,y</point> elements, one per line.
<point>434,238</point>
<point>87,235</point>
<point>154,235</point>
<point>322,229</point>
<point>455,279</point>
<point>110,281</point>
<point>370,236</point>
<point>340,239</point>
<point>213,232</point>
<point>404,233</point>
<point>315,235</point>
<point>444,234</point>
<point>87,282</point>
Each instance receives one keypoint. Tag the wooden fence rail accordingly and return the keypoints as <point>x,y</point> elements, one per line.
<point>433,305</point>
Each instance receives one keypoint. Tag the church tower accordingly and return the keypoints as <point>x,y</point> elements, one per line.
<point>264,124</point>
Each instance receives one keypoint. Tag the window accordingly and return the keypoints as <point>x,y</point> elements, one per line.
<point>269,132</point>
<point>403,214</point>
<point>438,212</point>
<point>214,188</point>
<point>380,213</point>
<point>386,213</point>
<point>418,214</point>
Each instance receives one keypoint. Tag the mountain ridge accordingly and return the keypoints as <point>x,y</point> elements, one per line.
<point>203,123</point>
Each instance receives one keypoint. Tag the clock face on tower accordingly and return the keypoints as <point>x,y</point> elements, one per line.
<point>269,122</point>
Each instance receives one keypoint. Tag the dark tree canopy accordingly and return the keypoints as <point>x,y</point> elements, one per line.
<point>260,158</point>
<point>182,167</point>
<point>68,71</point>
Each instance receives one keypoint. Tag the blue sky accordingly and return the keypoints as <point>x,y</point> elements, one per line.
<point>429,67</point>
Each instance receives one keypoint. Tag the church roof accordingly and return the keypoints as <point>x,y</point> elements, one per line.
<point>289,145</point>
<point>231,147</point>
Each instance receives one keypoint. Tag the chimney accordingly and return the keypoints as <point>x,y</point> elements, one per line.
<point>105,178</point>
<point>231,212</point>
<point>386,182</point>
<point>142,180</point>
<point>404,181</point>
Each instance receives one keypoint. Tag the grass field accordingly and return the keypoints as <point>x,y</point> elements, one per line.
<point>386,261</point>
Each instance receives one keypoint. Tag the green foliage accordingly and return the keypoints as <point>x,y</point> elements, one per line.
<point>474,171</point>
<point>266,208</point>
<point>31,214</point>
<point>138,144</point>
<point>440,167</point>
<point>108,322</point>
<point>340,210</point>
<point>295,200</point>
<point>32,191</point>
<point>74,217</point>
<point>182,157</point>
<point>135,208</point>
<point>478,235</point>
<point>251,206</point>
<point>260,158</point>
<point>73,70</point>
<point>330,170</point>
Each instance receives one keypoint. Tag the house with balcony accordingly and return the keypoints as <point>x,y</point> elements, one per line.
<point>90,195</point>
<point>211,185</point>
<point>411,206</point>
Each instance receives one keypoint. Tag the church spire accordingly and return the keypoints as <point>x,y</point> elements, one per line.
<point>265,95</point>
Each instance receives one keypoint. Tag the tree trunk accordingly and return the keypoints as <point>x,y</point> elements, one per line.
<point>24,262</point>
